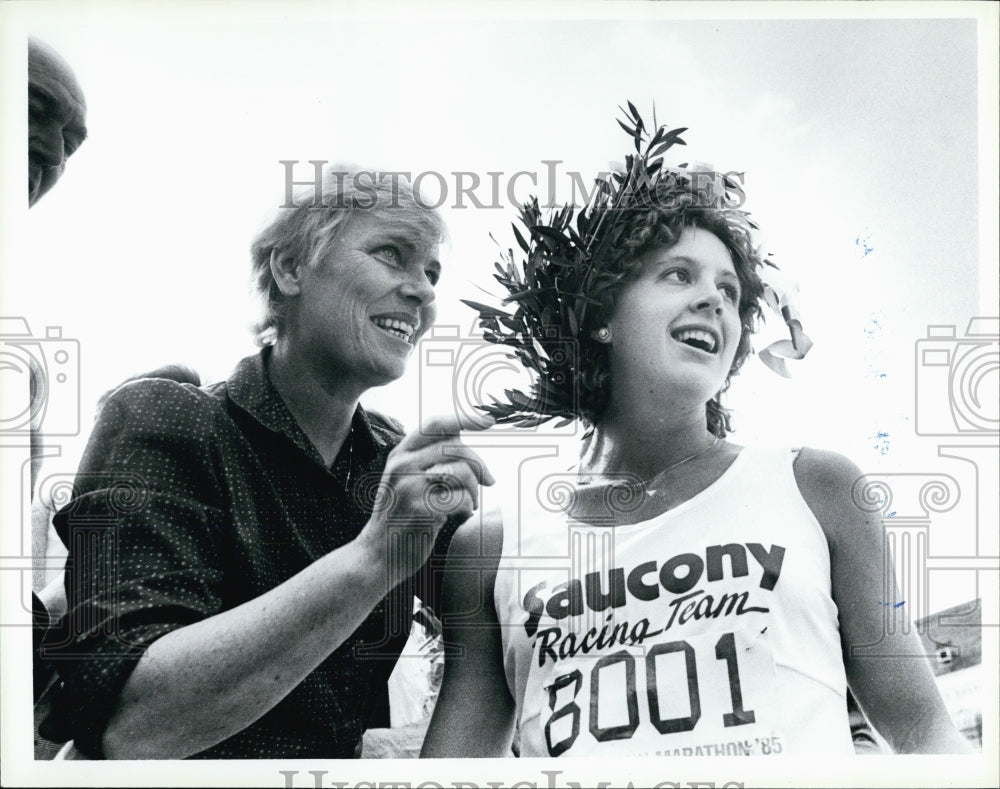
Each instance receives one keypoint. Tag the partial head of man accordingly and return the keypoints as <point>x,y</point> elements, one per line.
<point>57,117</point>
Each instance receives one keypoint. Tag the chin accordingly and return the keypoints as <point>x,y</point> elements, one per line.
<point>697,390</point>
<point>38,192</point>
<point>385,376</point>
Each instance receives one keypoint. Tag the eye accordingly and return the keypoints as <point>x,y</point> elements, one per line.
<point>433,275</point>
<point>677,274</point>
<point>388,253</point>
<point>732,291</point>
<point>39,105</point>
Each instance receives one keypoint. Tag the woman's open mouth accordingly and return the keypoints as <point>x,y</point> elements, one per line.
<point>701,339</point>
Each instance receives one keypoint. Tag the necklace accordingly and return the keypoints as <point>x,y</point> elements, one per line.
<point>642,484</point>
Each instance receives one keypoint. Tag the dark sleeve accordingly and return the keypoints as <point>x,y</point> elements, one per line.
<point>143,530</point>
<point>431,579</point>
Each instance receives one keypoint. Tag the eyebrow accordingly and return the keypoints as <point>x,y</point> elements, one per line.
<point>46,96</point>
<point>57,106</point>
<point>395,237</point>
<point>729,276</point>
<point>48,103</point>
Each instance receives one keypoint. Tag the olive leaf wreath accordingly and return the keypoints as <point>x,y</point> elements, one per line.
<point>566,269</point>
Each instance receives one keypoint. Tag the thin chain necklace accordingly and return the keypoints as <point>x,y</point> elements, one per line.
<point>642,485</point>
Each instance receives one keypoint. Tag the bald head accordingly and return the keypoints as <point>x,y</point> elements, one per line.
<point>57,115</point>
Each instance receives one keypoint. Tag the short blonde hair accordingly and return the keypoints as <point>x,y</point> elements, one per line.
<point>305,229</point>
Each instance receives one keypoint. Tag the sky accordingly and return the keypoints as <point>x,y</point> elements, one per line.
<point>867,147</point>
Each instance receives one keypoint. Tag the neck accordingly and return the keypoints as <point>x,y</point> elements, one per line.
<point>322,409</point>
<point>643,442</point>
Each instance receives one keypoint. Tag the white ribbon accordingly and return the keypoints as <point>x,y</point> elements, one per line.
<point>782,295</point>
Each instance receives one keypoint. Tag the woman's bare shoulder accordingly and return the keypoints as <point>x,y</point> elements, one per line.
<point>832,485</point>
<point>480,536</point>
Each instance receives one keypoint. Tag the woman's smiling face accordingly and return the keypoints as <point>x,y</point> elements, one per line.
<point>675,327</point>
<point>367,299</point>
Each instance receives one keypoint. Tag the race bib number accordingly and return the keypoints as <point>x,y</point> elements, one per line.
<point>709,695</point>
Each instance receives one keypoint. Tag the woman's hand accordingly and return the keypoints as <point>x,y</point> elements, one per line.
<point>429,477</point>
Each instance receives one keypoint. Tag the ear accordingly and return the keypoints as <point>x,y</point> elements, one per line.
<point>286,272</point>
<point>602,335</point>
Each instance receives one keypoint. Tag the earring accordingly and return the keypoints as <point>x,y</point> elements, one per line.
<point>603,334</point>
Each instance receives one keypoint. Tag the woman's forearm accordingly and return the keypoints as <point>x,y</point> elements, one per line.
<point>205,682</point>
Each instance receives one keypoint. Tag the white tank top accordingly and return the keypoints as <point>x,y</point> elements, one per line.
<point>708,630</point>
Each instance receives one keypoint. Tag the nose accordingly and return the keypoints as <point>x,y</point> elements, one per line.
<point>708,301</point>
<point>417,289</point>
<point>48,145</point>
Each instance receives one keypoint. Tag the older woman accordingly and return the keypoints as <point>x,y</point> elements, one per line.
<point>243,556</point>
<point>688,596</point>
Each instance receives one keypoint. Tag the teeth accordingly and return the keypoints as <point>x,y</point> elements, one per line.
<point>697,335</point>
<point>397,328</point>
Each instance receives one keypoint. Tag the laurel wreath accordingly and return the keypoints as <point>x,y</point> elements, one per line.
<point>557,287</point>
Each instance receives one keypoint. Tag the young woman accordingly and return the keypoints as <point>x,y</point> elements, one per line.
<point>686,596</point>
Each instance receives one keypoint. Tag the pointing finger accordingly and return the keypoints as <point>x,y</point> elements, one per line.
<point>439,428</point>
<point>450,452</point>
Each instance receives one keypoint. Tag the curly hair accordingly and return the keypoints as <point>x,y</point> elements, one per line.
<point>661,225</point>
<point>565,287</point>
